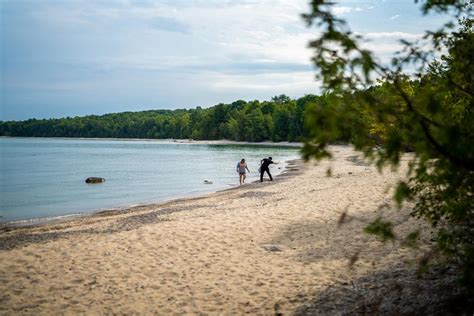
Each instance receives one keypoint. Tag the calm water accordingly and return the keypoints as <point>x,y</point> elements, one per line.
<point>44,177</point>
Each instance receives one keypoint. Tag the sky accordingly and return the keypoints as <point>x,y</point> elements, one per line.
<point>62,58</point>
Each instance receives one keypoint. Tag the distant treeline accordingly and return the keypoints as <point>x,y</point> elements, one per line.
<point>281,119</point>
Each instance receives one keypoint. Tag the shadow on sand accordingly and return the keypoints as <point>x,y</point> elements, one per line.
<point>395,291</point>
<point>398,289</point>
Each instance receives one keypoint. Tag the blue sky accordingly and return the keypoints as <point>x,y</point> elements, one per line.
<point>76,57</point>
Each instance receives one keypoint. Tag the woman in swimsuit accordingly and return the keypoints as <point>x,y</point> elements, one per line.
<point>241,166</point>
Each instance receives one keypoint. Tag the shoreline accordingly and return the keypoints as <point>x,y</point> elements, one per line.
<point>27,231</point>
<point>143,201</point>
<point>42,221</point>
<point>175,141</point>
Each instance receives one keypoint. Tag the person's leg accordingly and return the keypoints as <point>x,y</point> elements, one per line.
<point>268,171</point>
<point>240,178</point>
<point>243,178</point>
<point>261,174</point>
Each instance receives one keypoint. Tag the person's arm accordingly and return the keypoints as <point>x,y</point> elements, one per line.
<point>246,167</point>
<point>237,167</point>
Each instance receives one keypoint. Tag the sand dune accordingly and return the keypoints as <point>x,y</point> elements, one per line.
<point>260,249</point>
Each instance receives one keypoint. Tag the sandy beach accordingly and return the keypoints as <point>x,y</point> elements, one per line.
<point>271,248</point>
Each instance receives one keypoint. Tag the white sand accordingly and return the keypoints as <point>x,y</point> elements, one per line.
<point>212,255</point>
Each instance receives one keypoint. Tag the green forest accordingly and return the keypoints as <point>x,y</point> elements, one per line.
<point>281,119</point>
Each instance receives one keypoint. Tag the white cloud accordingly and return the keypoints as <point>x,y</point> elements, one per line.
<point>247,30</point>
<point>385,44</point>
<point>393,17</point>
<point>256,47</point>
<point>341,10</point>
<point>357,7</point>
<point>174,52</point>
<point>295,84</point>
<point>391,35</point>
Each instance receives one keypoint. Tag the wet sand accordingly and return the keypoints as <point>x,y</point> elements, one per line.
<point>276,247</point>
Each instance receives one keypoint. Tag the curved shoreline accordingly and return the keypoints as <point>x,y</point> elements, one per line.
<point>77,209</point>
<point>40,222</point>
<point>176,141</point>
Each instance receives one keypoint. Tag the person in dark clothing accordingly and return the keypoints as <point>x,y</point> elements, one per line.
<point>265,163</point>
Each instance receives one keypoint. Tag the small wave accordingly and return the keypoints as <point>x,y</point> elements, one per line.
<point>38,220</point>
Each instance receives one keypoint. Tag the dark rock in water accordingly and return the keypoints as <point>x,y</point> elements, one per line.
<point>95,180</point>
<point>207,182</point>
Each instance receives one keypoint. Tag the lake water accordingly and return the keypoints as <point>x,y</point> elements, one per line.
<point>44,177</point>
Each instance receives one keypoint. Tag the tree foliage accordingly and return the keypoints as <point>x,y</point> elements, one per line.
<point>421,101</point>
<point>281,119</point>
